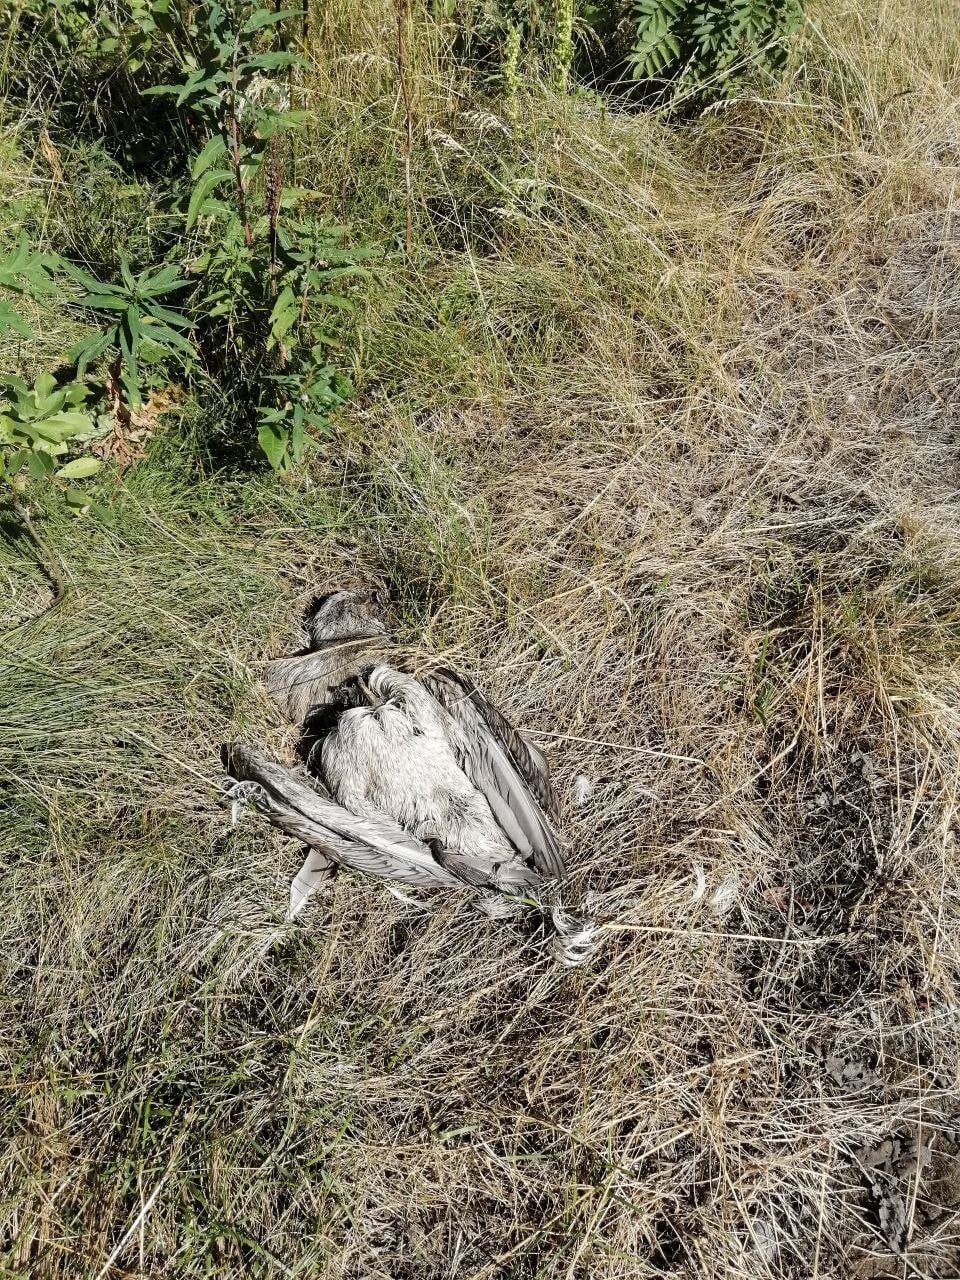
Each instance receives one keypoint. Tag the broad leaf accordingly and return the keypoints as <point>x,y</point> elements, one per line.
<point>103,302</point>
<point>273,442</point>
<point>261,18</point>
<point>80,469</point>
<point>10,319</point>
<point>84,352</point>
<point>163,281</point>
<point>202,190</point>
<point>39,465</point>
<point>273,61</point>
<point>210,154</point>
<point>283,316</point>
<point>80,503</point>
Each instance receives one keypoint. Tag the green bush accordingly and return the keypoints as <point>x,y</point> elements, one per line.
<point>711,43</point>
<point>240,292</point>
<point>271,277</point>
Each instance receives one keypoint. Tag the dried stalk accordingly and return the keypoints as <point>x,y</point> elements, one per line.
<point>403,17</point>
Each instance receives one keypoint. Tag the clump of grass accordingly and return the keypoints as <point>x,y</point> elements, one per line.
<point>654,436</point>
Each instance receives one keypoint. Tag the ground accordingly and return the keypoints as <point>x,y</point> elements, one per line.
<point>656,435</point>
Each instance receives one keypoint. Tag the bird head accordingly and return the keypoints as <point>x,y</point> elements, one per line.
<point>342,615</point>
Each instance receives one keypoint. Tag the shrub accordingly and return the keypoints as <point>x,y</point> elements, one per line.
<point>270,274</point>
<point>244,286</point>
<point>711,43</point>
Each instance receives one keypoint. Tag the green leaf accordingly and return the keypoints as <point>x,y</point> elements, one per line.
<point>275,122</point>
<point>44,386</point>
<point>39,465</point>
<point>197,80</point>
<point>10,319</point>
<point>80,469</point>
<point>162,336</point>
<point>319,421</point>
<point>103,302</point>
<point>130,329</point>
<point>273,442</point>
<point>126,274</point>
<point>203,189</point>
<point>336,300</point>
<point>129,346</point>
<point>75,393</point>
<point>283,316</point>
<point>60,427</point>
<point>175,318</point>
<point>84,352</point>
<point>25,272</point>
<point>291,196</point>
<point>261,18</point>
<point>163,281</point>
<point>80,503</point>
<point>82,277</point>
<point>210,154</point>
<point>15,386</point>
<point>273,61</point>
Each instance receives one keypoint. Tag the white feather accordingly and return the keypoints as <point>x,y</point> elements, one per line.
<point>725,895</point>
<point>700,885</point>
<point>316,868</point>
<point>576,939</point>
<point>582,790</point>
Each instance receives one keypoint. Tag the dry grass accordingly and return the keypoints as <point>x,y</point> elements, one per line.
<point>658,435</point>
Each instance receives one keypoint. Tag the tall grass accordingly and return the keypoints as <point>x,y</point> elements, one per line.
<point>655,434</point>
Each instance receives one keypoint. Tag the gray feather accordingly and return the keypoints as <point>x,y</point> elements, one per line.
<point>300,683</point>
<point>509,771</point>
<point>377,846</point>
<point>317,867</point>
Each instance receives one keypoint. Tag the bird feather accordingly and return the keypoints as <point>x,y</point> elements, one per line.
<point>317,867</point>
<point>377,846</point>
<point>303,681</point>
<point>509,771</point>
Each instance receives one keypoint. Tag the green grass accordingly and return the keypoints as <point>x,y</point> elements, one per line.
<point>655,435</point>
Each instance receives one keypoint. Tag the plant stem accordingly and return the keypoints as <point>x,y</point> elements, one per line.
<point>235,153</point>
<point>274,195</point>
<point>403,12</point>
<point>238,178</point>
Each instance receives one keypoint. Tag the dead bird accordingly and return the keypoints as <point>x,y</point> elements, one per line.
<point>409,773</point>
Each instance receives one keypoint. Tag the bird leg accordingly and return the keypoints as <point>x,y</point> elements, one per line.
<point>238,793</point>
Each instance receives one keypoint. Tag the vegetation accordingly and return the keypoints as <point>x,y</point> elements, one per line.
<point>712,41</point>
<point>262,276</point>
<point>652,431</point>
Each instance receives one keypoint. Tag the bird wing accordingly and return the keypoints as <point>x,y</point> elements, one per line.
<point>304,681</point>
<point>376,846</point>
<point>510,772</point>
